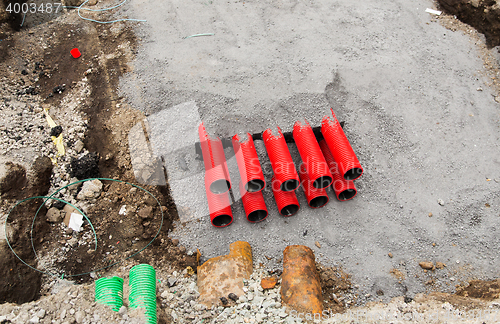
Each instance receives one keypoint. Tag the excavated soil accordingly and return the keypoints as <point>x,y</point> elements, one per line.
<point>108,124</point>
<point>483,15</point>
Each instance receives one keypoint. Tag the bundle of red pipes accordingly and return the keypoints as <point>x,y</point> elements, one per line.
<point>331,162</point>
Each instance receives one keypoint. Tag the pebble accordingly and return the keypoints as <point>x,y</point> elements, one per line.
<point>41,313</point>
<point>78,146</point>
<point>79,317</point>
<point>426,265</point>
<point>54,215</point>
<point>441,202</point>
<point>145,212</point>
<point>171,281</point>
<point>35,319</point>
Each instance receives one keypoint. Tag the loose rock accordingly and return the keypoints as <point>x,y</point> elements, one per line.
<point>145,212</point>
<point>54,215</point>
<point>427,265</point>
<point>90,189</point>
<point>269,282</point>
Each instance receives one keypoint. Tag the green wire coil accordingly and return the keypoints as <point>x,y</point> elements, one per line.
<point>142,290</point>
<point>109,291</point>
<point>81,212</point>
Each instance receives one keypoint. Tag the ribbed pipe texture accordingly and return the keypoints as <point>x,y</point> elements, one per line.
<point>281,160</point>
<point>254,205</point>
<point>287,201</point>
<point>219,206</point>
<point>248,164</point>
<point>342,152</point>
<point>316,197</point>
<point>344,189</point>
<point>215,162</point>
<point>310,153</point>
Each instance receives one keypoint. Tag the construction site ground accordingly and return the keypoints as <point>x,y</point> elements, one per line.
<point>420,97</point>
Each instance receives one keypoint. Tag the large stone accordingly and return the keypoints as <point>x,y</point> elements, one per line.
<point>222,275</point>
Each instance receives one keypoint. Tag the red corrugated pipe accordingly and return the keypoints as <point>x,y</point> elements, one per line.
<point>342,152</point>
<point>344,189</point>
<point>312,158</point>
<point>248,164</point>
<point>316,197</point>
<point>286,201</point>
<point>219,206</point>
<point>281,160</point>
<point>254,204</point>
<point>216,172</point>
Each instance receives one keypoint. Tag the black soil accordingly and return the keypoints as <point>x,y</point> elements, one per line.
<point>19,283</point>
<point>482,15</point>
<point>85,167</point>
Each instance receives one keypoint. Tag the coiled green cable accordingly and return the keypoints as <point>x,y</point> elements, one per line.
<point>142,283</point>
<point>109,291</point>
<point>95,235</point>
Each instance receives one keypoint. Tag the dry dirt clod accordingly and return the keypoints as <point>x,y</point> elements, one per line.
<point>427,265</point>
<point>54,215</point>
<point>390,255</point>
<point>145,212</point>
<point>269,282</point>
<point>317,244</point>
<point>440,265</point>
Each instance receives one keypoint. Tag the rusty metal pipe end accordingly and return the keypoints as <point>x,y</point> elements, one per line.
<point>300,283</point>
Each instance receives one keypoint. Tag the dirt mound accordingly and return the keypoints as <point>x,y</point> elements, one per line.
<point>21,284</point>
<point>484,15</point>
<point>11,18</point>
<point>488,290</point>
<point>336,288</point>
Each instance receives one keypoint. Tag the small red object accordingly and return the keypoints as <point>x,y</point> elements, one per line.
<point>75,53</point>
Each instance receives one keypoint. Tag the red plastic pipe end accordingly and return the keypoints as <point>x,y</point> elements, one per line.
<point>316,197</point>
<point>214,159</point>
<point>312,157</point>
<point>75,53</point>
<point>287,201</point>
<point>344,189</point>
<point>248,164</point>
<point>342,152</point>
<point>219,207</point>
<point>281,160</point>
<point>254,205</point>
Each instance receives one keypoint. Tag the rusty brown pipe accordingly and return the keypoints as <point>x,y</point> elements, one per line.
<point>300,283</point>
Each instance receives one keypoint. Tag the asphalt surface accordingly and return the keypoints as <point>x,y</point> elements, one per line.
<point>407,89</point>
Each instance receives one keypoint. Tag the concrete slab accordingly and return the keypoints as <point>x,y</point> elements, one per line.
<point>406,88</point>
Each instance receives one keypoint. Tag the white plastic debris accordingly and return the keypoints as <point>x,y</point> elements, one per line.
<point>76,222</point>
<point>123,210</point>
<point>434,12</point>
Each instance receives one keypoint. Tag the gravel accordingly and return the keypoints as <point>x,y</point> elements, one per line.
<point>405,87</point>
